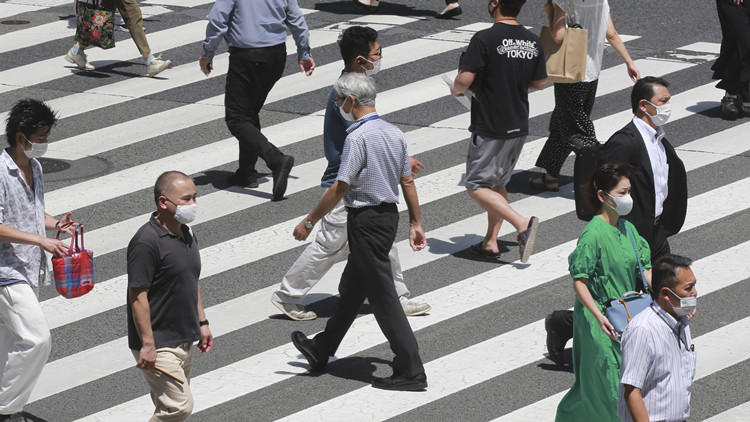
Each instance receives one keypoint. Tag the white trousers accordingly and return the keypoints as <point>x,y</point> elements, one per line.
<point>321,254</point>
<point>24,345</point>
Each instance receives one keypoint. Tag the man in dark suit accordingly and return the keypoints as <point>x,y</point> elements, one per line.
<point>658,185</point>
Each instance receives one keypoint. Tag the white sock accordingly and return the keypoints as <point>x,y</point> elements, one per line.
<point>404,301</point>
<point>150,59</point>
<point>75,50</point>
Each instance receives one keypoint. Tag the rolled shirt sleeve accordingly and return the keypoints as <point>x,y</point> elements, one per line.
<point>295,21</point>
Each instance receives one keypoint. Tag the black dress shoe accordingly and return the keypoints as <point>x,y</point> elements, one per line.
<point>401,383</point>
<point>450,13</point>
<point>305,346</point>
<point>237,180</point>
<point>555,346</point>
<point>731,107</point>
<point>281,176</point>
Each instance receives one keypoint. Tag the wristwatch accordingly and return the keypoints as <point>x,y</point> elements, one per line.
<point>204,322</point>
<point>308,224</point>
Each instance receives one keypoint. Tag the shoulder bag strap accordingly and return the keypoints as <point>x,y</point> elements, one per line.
<point>638,259</point>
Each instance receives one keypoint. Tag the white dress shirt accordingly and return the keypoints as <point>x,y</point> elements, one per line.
<point>658,357</point>
<point>658,157</point>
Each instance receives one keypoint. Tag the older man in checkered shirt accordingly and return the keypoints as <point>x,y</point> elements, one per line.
<point>373,165</point>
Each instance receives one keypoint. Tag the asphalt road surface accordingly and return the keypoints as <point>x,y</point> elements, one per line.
<point>483,341</point>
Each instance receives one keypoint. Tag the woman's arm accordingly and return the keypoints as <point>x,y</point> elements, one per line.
<point>616,42</point>
<point>584,295</point>
<point>556,18</point>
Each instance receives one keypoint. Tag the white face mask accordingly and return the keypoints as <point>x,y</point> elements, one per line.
<point>687,304</point>
<point>375,67</point>
<point>662,113</point>
<point>185,213</point>
<point>37,149</point>
<point>623,204</point>
<point>349,117</point>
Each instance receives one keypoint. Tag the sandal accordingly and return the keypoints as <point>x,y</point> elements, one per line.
<point>526,239</point>
<point>545,183</point>
<point>479,250</point>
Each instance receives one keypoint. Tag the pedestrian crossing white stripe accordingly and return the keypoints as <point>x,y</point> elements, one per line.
<point>9,9</point>
<point>384,20</point>
<point>447,375</point>
<point>41,34</point>
<point>224,202</point>
<point>57,67</point>
<point>703,47</point>
<point>39,3</point>
<point>110,357</point>
<point>220,152</point>
<point>713,354</point>
<point>735,414</point>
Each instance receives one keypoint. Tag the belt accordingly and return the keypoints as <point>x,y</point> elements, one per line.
<point>657,220</point>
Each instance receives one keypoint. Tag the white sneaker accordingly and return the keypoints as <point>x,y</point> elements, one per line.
<point>79,60</point>
<point>413,308</point>
<point>295,311</point>
<point>157,66</point>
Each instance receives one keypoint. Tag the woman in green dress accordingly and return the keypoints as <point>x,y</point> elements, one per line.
<point>603,267</point>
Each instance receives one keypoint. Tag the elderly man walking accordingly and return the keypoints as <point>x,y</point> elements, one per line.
<point>372,219</point>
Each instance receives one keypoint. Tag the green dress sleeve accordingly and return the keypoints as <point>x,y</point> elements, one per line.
<point>583,260</point>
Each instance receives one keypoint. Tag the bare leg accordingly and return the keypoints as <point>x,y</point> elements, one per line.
<point>495,202</point>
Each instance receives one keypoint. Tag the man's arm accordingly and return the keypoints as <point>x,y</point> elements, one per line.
<point>207,339</point>
<point>295,21</point>
<point>636,405</point>
<point>417,239</point>
<point>142,317</point>
<point>218,25</point>
<point>463,81</point>
<point>11,235</point>
<point>538,85</point>
<point>329,200</point>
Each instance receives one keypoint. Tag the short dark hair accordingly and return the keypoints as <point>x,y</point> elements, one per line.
<point>355,41</point>
<point>511,8</point>
<point>28,116</point>
<point>605,178</point>
<point>664,272</point>
<point>164,182</point>
<point>644,90</point>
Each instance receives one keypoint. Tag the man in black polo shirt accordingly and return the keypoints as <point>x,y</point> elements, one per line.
<point>165,313</point>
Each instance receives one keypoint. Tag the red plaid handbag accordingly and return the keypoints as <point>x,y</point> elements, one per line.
<point>74,273</point>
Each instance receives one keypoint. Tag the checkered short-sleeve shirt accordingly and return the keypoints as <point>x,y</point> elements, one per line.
<point>373,162</point>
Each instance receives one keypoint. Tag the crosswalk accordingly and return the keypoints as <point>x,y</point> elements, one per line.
<point>483,342</point>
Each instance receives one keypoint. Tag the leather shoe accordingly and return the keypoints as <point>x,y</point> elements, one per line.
<point>305,346</point>
<point>731,107</point>
<point>236,180</point>
<point>281,176</point>
<point>401,383</point>
<point>555,346</point>
<point>449,13</point>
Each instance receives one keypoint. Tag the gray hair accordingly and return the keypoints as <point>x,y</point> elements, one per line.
<point>359,85</point>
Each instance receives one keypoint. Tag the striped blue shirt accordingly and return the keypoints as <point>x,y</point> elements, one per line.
<point>373,162</point>
<point>659,363</point>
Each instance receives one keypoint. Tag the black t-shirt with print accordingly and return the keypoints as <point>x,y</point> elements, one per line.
<point>505,58</point>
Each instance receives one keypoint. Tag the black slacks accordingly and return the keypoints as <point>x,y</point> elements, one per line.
<point>371,232</point>
<point>733,64</point>
<point>251,75</point>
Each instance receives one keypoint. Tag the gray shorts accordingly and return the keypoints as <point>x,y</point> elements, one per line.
<point>490,162</point>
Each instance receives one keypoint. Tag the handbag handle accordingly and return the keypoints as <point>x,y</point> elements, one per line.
<point>74,237</point>
<point>637,258</point>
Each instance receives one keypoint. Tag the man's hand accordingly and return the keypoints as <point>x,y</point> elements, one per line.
<point>147,358</point>
<point>301,231</point>
<point>416,165</point>
<point>206,65</point>
<point>207,340</point>
<point>307,66</point>
<point>56,247</point>
<point>455,92</point>
<point>417,239</point>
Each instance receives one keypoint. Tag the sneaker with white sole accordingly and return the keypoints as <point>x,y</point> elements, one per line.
<point>295,311</point>
<point>157,66</point>
<point>78,60</point>
<point>414,308</point>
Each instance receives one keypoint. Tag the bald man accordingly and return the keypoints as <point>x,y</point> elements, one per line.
<point>165,311</point>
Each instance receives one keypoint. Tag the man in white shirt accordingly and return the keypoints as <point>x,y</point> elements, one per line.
<point>658,355</point>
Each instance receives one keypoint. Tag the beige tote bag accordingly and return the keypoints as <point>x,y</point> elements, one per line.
<point>566,62</point>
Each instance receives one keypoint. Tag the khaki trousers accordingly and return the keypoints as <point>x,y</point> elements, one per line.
<point>173,401</point>
<point>131,14</point>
